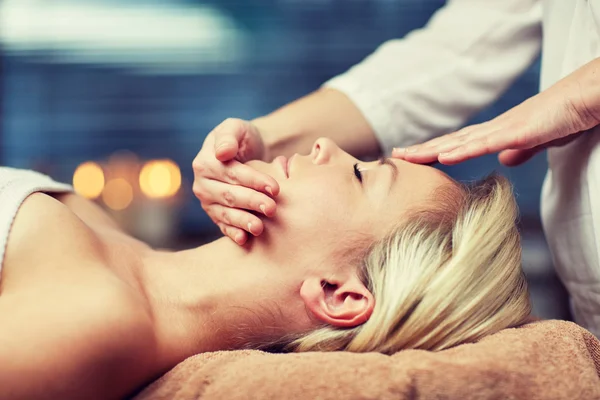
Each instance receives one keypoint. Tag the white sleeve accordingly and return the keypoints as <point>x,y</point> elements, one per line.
<point>433,80</point>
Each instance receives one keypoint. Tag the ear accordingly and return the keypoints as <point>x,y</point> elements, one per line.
<point>344,303</point>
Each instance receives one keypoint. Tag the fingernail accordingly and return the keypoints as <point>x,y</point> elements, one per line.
<point>250,227</point>
<point>263,209</point>
<point>399,150</point>
<point>449,153</point>
<point>411,150</point>
<point>269,190</point>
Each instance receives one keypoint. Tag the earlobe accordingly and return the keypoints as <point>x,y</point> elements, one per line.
<point>344,303</point>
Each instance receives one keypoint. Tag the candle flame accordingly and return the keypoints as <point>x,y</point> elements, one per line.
<point>88,180</point>
<point>160,179</point>
<point>117,194</point>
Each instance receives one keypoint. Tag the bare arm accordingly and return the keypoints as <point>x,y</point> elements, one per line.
<point>326,112</point>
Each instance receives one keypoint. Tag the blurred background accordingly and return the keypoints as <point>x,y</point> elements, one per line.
<point>117,96</point>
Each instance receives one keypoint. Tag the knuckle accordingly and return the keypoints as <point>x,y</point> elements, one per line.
<point>211,215</point>
<point>225,217</point>
<point>201,167</point>
<point>231,123</point>
<point>523,138</point>
<point>198,166</point>
<point>484,143</point>
<point>231,174</point>
<point>463,133</point>
<point>223,229</point>
<point>200,192</point>
<point>228,198</point>
<point>209,210</point>
<point>462,139</point>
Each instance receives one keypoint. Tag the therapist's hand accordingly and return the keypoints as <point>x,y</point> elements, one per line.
<point>226,187</point>
<point>554,117</point>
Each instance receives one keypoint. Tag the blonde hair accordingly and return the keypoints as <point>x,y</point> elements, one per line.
<point>449,274</point>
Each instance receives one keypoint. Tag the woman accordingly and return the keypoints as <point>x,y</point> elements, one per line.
<point>376,256</point>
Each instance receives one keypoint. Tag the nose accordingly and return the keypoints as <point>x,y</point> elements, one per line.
<point>323,150</point>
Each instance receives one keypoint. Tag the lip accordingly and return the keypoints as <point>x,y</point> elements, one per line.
<point>284,164</point>
<point>289,165</point>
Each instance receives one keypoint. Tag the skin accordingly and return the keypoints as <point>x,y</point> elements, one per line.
<point>89,312</point>
<point>226,189</point>
<point>554,117</point>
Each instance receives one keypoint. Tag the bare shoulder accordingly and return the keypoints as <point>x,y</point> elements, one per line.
<point>88,211</point>
<point>85,342</point>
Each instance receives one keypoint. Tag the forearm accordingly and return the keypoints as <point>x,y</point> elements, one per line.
<point>323,113</point>
<point>585,94</point>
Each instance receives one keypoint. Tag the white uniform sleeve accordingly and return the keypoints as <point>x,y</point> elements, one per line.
<point>433,80</point>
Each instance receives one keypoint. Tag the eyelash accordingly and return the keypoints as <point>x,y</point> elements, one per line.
<point>357,173</point>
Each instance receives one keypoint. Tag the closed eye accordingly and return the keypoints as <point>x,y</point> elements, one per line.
<point>357,173</point>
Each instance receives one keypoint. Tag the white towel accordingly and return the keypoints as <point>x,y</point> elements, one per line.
<point>15,186</point>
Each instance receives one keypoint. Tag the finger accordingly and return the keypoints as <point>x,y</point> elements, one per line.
<point>492,142</point>
<point>514,157</point>
<point>424,155</point>
<point>464,153</point>
<point>211,192</point>
<point>428,152</point>
<point>241,174</point>
<point>236,218</point>
<point>233,172</point>
<point>228,135</point>
<point>427,158</point>
<point>447,141</point>
<point>239,236</point>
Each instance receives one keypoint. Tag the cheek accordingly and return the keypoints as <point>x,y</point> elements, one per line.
<point>318,208</point>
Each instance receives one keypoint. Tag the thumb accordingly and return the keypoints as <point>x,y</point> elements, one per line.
<point>230,138</point>
<point>226,149</point>
<point>514,157</point>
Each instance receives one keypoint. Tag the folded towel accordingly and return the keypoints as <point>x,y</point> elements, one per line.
<point>15,186</point>
<point>540,360</point>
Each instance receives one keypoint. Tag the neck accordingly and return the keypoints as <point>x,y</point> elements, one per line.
<point>219,296</point>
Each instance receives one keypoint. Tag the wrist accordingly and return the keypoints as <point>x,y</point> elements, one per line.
<point>584,98</point>
<point>263,127</point>
<point>278,135</point>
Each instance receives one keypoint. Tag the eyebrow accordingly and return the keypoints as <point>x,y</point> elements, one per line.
<point>388,161</point>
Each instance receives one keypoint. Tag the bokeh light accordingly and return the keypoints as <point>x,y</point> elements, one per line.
<point>160,179</point>
<point>117,194</point>
<point>88,180</point>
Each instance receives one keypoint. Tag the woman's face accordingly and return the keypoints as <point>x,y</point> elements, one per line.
<point>329,198</point>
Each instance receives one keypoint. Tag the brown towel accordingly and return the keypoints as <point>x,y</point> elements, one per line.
<point>540,360</point>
